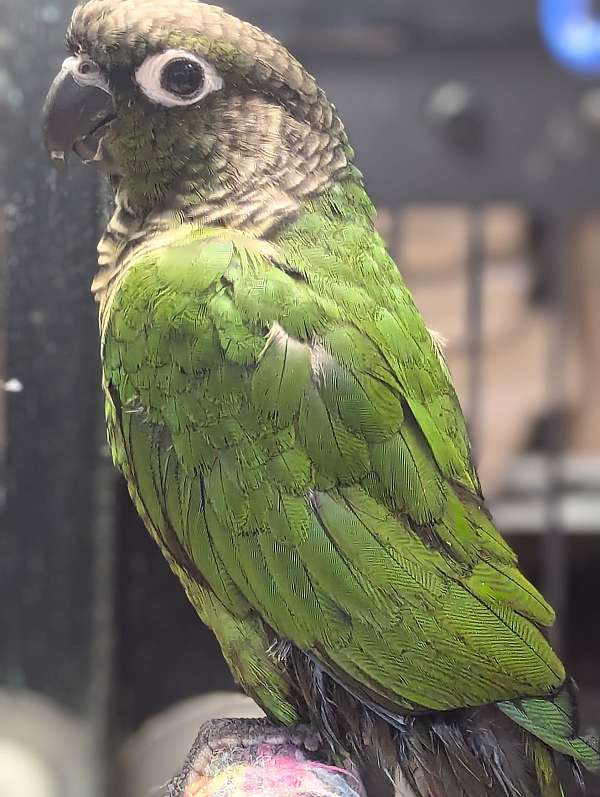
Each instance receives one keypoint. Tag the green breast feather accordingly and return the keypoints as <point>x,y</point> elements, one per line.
<point>292,439</point>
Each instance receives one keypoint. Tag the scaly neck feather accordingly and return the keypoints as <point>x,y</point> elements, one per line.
<point>252,171</point>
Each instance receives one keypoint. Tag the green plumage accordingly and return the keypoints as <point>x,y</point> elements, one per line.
<point>288,428</point>
<point>285,419</point>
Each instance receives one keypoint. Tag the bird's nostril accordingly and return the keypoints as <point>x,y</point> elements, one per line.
<point>87,68</point>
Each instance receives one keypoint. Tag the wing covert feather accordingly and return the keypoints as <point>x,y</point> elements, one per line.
<point>313,463</point>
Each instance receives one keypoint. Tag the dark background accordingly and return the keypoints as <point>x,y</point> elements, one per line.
<point>90,616</point>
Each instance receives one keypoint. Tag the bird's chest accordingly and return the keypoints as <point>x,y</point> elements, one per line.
<point>184,368</point>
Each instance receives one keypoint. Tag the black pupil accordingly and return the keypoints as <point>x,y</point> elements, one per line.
<point>182,77</point>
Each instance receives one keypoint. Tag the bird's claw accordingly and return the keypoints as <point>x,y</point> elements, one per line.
<point>242,740</point>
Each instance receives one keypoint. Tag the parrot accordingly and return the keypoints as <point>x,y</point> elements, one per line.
<point>287,424</point>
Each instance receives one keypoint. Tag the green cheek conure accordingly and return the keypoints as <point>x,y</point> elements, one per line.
<point>284,419</point>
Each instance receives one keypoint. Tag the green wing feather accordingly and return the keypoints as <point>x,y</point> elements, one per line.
<point>293,441</point>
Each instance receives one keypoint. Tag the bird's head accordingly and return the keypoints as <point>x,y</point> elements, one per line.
<point>178,99</point>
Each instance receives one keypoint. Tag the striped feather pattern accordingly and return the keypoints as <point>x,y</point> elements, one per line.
<point>292,439</point>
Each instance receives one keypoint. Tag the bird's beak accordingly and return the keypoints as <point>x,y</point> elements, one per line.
<point>75,117</point>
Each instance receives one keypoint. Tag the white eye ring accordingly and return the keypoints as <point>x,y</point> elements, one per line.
<point>149,78</point>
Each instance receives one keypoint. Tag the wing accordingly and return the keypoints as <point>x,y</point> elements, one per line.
<point>328,483</point>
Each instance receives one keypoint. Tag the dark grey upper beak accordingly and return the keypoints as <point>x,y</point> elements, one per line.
<point>74,115</point>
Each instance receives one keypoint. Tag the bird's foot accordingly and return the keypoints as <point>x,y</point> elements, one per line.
<point>226,743</point>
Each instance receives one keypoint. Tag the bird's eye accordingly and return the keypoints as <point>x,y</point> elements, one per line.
<point>182,77</point>
<point>177,77</point>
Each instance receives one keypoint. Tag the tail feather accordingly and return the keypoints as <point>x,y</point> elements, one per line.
<point>555,721</point>
<point>474,754</point>
<point>525,748</point>
<point>545,769</point>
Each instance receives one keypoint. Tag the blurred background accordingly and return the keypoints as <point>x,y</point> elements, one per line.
<point>477,125</point>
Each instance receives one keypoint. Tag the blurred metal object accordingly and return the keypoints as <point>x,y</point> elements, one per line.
<point>589,109</point>
<point>454,110</point>
<point>157,750</point>
<point>53,518</point>
<point>24,772</point>
<point>555,550</point>
<point>423,24</point>
<point>474,325</point>
<point>44,750</point>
